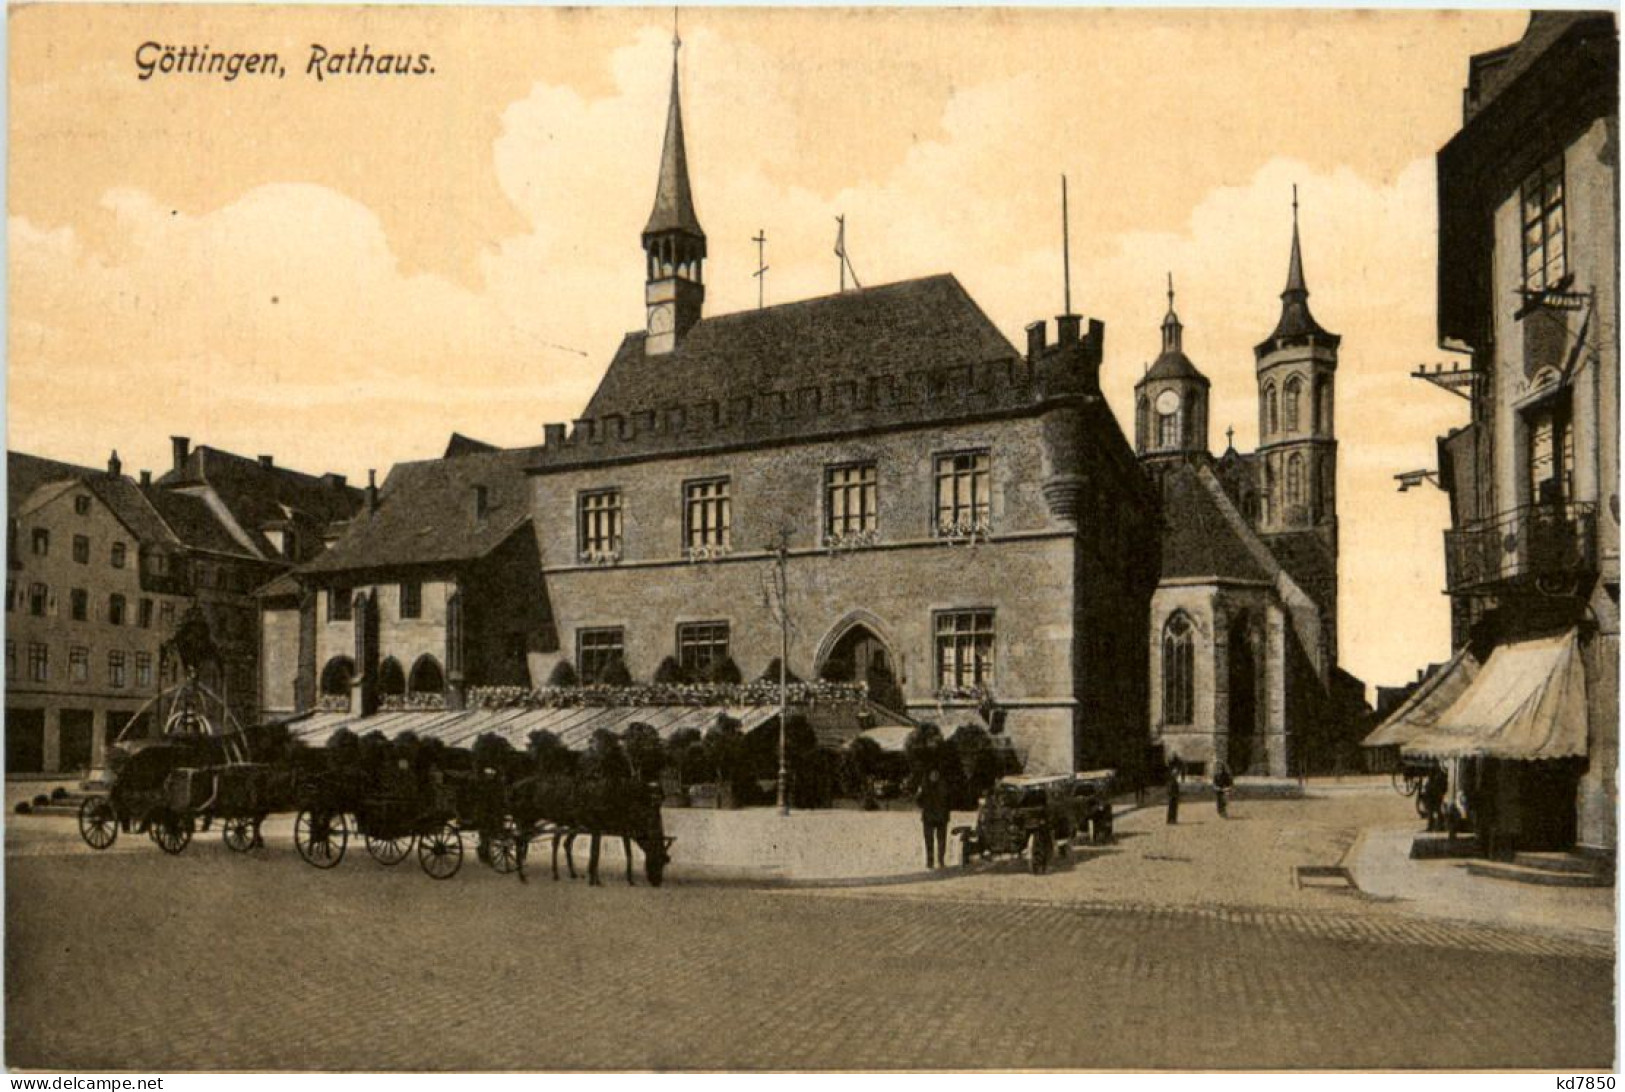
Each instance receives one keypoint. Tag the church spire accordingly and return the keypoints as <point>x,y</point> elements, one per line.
<point>1296,321</point>
<point>1172,330</point>
<point>674,200</point>
<point>673,242</point>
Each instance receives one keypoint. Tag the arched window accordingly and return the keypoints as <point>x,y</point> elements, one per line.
<point>391,679</point>
<point>1323,423</point>
<point>1178,670</point>
<point>1292,395</point>
<point>427,678</point>
<point>337,674</point>
<point>1168,429</point>
<point>1142,423</point>
<point>1294,479</point>
<point>1272,420</point>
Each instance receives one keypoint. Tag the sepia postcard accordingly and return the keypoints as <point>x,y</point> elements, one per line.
<point>822,539</point>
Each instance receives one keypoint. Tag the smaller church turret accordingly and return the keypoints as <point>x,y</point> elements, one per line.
<point>1171,399</point>
<point>673,240</point>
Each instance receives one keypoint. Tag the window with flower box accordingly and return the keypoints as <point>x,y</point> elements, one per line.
<point>707,515</point>
<point>964,649</point>
<point>597,648</point>
<point>701,644</point>
<point>851,502</point>
<point>598,525</point>
<point>964,492</point>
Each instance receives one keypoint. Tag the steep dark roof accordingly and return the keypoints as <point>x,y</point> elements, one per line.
<point>674,200</point>
<point>1296,321</point>
<point>257,495</point>
<point>1491,73</point>
<point>26,473</point>
<point>1174,364</point>
<point>1202,534</point>
<point>133,508</point>
<point>195,524</point>
<point>465,445</point>
<point>426,513</point>
<point>926,323</point>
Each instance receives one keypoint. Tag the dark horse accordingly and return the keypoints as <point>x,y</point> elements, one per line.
<point>567,806</point>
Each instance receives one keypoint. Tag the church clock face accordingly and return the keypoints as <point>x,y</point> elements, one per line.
<point>1168,403</point>
<point>661,319</point>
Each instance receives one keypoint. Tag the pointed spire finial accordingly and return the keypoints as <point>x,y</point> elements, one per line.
<point>674,199</point>
<point>1295,284</point>
<point>1170,291</point>
<point>677,39</point>
<point>1230,438</point>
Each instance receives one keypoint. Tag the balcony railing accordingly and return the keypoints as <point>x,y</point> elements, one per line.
<point>1537,542</point>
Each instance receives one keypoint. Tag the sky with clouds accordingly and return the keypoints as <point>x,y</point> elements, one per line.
<point>343,271</point>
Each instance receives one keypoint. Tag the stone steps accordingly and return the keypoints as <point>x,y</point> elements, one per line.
<point>1562,862</point>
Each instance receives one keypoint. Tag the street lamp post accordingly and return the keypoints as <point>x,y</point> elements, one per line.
<point>780,595</point>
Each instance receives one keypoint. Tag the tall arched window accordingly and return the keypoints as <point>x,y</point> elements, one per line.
<point>1272,420</point>
<point>1268,502</point>
<point>391,679</point>
<point>1292,395</point>
<point>1294,479</point>
<point>1178,670</point>
<point>1323,423</point>
<point>337,674</point>
<point>427,678</point>
<point>1168,429</point>
<point>1142,423</point>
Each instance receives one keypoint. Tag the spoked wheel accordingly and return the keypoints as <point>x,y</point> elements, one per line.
<point>1405,784</point>
<point>320,837</point>
<point>173,832</point>
<point>390,851</point>
<point>238,834</point>
<point>98,822</point>
<point>440,851</point>
<point>500,848</point>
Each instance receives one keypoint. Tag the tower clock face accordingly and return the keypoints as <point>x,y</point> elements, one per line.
<point>661,319</point>
<point>1168,402</point>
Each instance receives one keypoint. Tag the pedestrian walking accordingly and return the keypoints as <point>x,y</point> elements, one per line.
<point>932,797</point>
<point>1221,789</point>
<point>1173,791</point>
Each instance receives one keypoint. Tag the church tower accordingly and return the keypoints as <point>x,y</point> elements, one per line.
<point>1170,400</point>
<point>1297,446</point>
<point>673,241</point>
<point>1297,449</point>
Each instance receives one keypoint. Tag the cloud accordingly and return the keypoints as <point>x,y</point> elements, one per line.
<point>284,321</point>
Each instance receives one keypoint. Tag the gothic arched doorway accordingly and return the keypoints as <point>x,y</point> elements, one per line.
<point>861,656</point>
<point>1243,679</point>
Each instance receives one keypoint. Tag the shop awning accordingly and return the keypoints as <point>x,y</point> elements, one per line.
<point>575,725</point>
<point>1421,710</point>
<point>1528,702</point>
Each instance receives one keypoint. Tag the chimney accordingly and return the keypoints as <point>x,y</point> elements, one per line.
<point>146,479</point>
<point>482,502</point>
<point>372,491</point>
<point>553,435</point>
<point>1035,340</point>
<point>182,447</point>
<point>267,462</point>
<point>115,466</point>
<point>1066,329</point>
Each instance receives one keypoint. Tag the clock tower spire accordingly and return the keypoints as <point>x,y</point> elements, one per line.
<point>673,241</point>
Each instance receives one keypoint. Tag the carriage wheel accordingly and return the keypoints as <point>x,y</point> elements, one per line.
<point>390,851</point>
<point>98,822</point>
<point>174,832</point>
<point>238,834</point>
<point>1043,847</point>
<point>500,849</point>
<point>320,837</point>
<point>440,851</point>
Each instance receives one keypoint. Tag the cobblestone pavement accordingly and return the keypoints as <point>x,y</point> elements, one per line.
<point>134,960</point>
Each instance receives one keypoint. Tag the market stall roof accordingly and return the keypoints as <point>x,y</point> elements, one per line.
<point>574,725</point>
<point>1421,710</point>
<point>1528,702</point>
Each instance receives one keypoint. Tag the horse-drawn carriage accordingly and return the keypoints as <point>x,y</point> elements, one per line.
<point>1039,816</point>
<point>195,772</point>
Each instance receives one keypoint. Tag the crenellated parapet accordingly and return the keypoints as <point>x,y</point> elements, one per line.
<point>1067,371</point>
